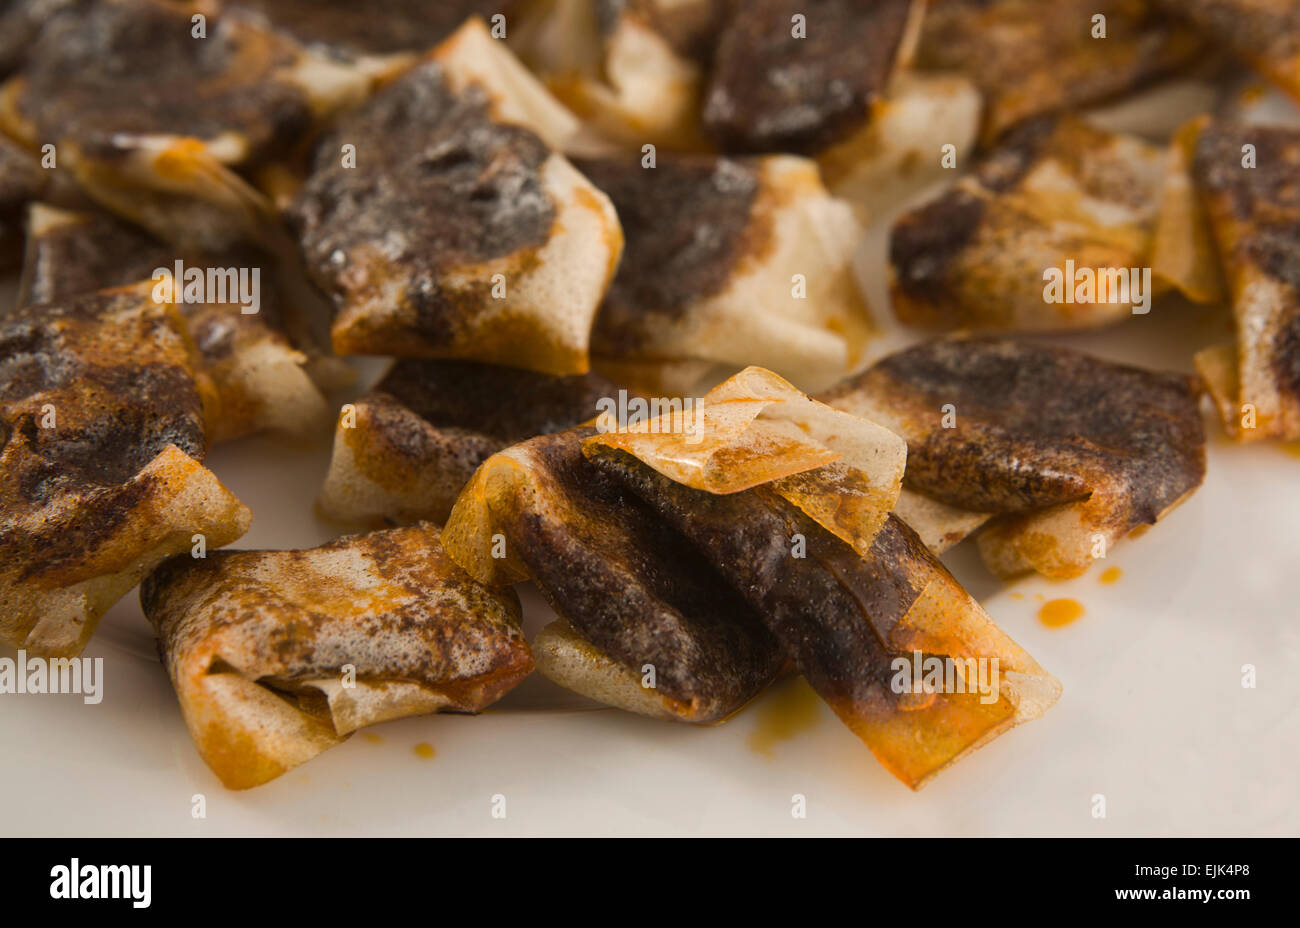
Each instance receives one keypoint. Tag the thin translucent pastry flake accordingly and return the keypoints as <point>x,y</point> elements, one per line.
<point>1248,178</point>
<point>101,434</point>
<point>733,261</point>
<point>1029,58</point>
<point>841,470</point>
<point>644,624</point>
<point>460,232</point>
<point>155,119</point>
<point>1064,453</point>
<point>857,623</point>
<point>260,379</point>
<point>1053,230</point>
<point>279,655</point>
<point>405,450</point>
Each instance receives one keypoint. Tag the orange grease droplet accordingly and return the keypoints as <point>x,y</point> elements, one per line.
<point>373,738</point>
<point>1060,612</point>
<point>1110,575</point>
<point>424,750</point>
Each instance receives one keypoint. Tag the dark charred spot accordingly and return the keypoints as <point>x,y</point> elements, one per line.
<point>925,243</point>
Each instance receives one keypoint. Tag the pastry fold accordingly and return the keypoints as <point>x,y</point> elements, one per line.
<point>101,434</point>
<point>1254,217</point>
<point>155,121</point>
<point>1029,58</point>
<point>644,624</point>
<point>462,233</point>
<point>852,619</point>
<point>730,261</point>
<point>406,449</point>
<point>260,379</point>
<point>1069,453</point>
<point>278,655</point>
<point>1056,196</point>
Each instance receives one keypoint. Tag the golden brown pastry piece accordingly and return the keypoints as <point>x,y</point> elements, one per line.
<point>259,376</point>
<point>101,434</point>
<point>278,655</point>
<point>406,450</point>
<point>716,252</point>
<point>154,119</point>
<point>1069,453</point>
<point>644,624</point>
<point>847,613</point>
<point>21,180</point>
<point>1266,33</point>
<point>460,233</point>
<point>1055,197</point>
<point>1030,58</point>
<point>1248,178</point>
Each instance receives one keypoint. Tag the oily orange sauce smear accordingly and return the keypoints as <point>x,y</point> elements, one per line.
<point>788,711</point>
<point>1058,613</point>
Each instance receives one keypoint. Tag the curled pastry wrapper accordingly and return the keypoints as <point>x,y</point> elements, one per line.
<point>632,71</point>
<point>407,449</point>
<point>730,260</point>
<point>1182,253</point>
<point>1029,58</point>
<point>259,377</point>
<point>278,655</point>
<point>1054,195</point>
<point>469,236</point>
<point>1254,213</point>
<point>844,471</point>
<point>171,166</point>
<point>644,624</point>
<point>1065,454</point>
<point>855,621</point>
<point>101,432</point>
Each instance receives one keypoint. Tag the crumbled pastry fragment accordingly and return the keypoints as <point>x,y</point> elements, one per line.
<point>716,250</point>
<point>1029,58</point>
<point>101,434</point>
<point>460,233</point>
<point>154,120</point>
<point>645,625</point>
<point>405,450</point>
<point>848,618</point>
<point>278,655</point>
<point>841,470</point>
<point>1254,215</point>
<point>1055,196</point>
<point>1067,453</point>
<point>260,380</point>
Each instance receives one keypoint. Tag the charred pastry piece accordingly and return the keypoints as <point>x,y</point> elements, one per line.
<point>259,376</point>
<point>847,596</point>
<point>406,450</point>
<point>154,120</point>
<point>1254,214</point>
<point>1266,33</point>
<point>773,91</point>
<point>278,655</point>
<point>715,249</point>
<point>21,22</point>
<point>21,180</point>
<point>644,624</point>
<point>633,69</point>
<point>1029,59</point>
<point>1056,197</point>
<point>461,233</point>
<point>101,434</point>
<point>379,28</point>
<point>1069,453</point>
